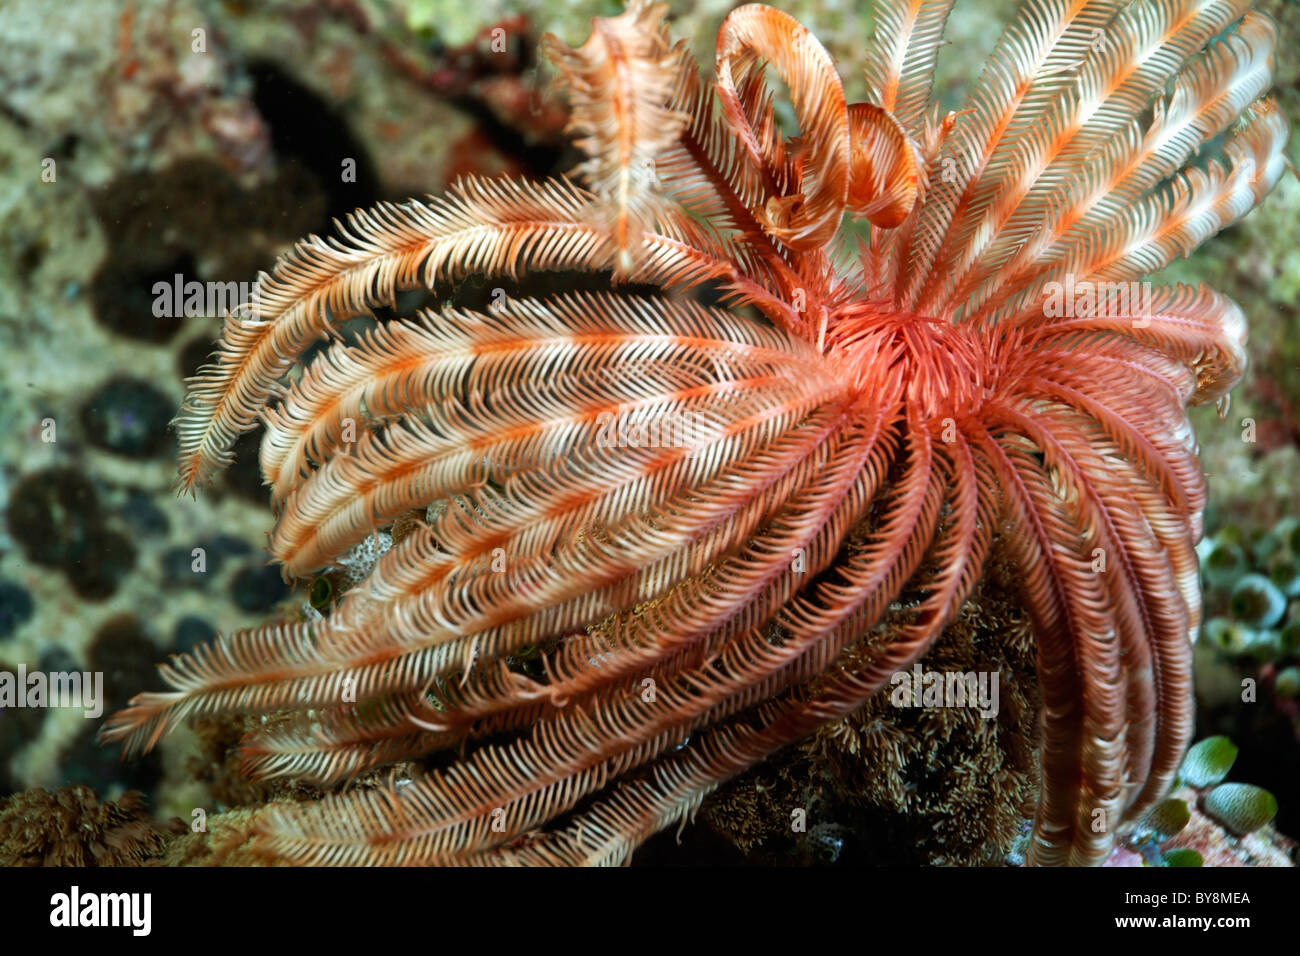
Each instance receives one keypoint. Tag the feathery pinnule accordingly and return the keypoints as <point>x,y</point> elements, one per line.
<point>900,57</point>
<point>755,31</point>
<point>1121,71</point>
<point>485,227</point>
<point>619,85</point>
<point>718,527</point>
<point>1209,93</point>
<point>1030,67</point>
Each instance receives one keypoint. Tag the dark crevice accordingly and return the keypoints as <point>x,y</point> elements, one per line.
<point>303,126</point>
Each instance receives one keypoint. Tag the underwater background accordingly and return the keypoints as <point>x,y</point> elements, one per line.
<point>148,142</point>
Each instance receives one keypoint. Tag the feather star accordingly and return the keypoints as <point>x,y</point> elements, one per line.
<point>696,513</point>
